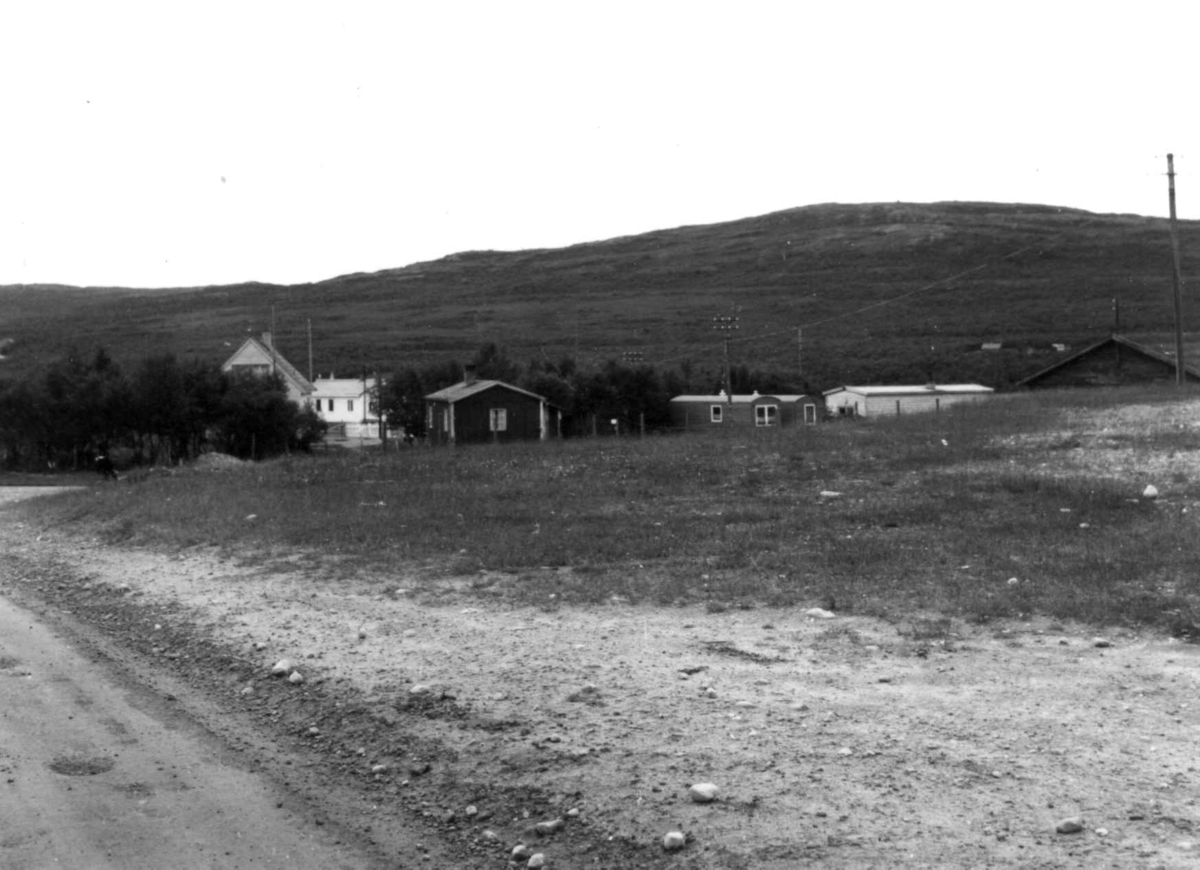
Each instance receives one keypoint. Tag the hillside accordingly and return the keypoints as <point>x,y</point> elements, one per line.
<point>883,292</point>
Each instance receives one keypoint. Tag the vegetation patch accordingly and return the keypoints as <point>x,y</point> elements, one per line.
<point>970,513</point>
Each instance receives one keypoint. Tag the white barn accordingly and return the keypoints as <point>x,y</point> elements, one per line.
<point>895,401</point>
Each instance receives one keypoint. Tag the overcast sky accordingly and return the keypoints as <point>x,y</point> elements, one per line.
<point>172,144</point>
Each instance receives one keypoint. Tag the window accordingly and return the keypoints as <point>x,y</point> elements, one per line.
<point>498,420</point>
<point>766,415</point>
<point>716,412</point>
<point>810,413</point>
<point>349,404</point>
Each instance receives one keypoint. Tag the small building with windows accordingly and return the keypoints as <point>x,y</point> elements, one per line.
<point>755,410</point>
<point>889,401</point>
<point>477,411</point>
<point>345,404</point>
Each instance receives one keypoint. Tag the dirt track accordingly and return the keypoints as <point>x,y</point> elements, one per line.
<point>845,742</point>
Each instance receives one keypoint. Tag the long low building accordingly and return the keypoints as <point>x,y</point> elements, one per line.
<point>899,400</point>
<point>753,410</point>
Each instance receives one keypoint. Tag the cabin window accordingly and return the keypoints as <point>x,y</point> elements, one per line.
<point>498,420</point>
<point>810,413</point>
<point>766,415</point>
<point>716,411</point>
<point>349,404</point>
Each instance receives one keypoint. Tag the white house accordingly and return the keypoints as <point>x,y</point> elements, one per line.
<point>259,357</point>
<point>894,401</point>
<point>345,404</point>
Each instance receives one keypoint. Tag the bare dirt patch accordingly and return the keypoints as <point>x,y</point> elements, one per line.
<point>848,742</point>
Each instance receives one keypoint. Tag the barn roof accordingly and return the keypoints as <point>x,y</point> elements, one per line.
<point>463,390</point>
<point>1159,346</point>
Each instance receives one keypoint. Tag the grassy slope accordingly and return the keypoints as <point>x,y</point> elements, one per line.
<point>930,513</point>
<point>957,274</point>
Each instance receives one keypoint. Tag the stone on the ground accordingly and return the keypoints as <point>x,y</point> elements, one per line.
<point>537,860</point>
<point>1151,491</point>
<point>550,827</point>
<point>1070,825</point>
<point>674,841</point>
<point>1101,642</point>
<point>703,792</point>
<point>295,678</point>
<point>521,852</point>
<point>281,667</point>
<point>819,613</point>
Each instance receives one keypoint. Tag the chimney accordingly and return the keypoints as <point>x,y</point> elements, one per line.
<point>266,339</point>
<point>468,375</point>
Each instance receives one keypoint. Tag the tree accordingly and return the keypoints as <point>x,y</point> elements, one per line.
<point>256,419</point>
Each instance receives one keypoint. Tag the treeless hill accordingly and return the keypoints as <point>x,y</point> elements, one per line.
<point>882,292</point>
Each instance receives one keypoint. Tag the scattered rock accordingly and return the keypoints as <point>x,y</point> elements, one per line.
<point>1151,492</point>
<point>545,829</point>
<point>282,667</point>
<point>1101,642</point>
<point>538,860</point>
<point>521,852</point>
<point>819,613</point>
<point>1071,825</point>
<point>295,678</point>
<point>703,792</point>
<point>674,841</point>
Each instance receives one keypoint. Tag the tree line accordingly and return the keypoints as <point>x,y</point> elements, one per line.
<point>166,411</point>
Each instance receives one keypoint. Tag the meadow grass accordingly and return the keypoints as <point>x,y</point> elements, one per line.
<point>1020,506</point>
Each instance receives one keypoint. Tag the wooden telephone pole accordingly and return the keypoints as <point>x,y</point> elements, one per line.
<point>726,324</point>
<point>1177,282</point>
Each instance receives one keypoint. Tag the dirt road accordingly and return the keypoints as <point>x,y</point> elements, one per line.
<point>96,772</point>
<point>100,767</point>
<point>843,742</point>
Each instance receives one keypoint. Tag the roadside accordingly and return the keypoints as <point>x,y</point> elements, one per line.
<point>847,742</point>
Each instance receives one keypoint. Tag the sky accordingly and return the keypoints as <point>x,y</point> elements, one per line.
<point>183,144</point>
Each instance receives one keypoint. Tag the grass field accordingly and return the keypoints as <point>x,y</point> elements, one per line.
<point>1028,504</point>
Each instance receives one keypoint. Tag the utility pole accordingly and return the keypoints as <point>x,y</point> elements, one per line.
<point>726,324</point>
<point>310,371</point>
<point>1177,276</point>
<point>800,354</point>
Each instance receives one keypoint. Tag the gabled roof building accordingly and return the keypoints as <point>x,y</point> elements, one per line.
<point>478,411</point>
<point>257,357</point>
<point>1121,360</point>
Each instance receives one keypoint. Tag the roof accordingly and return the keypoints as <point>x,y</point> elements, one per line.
<point>1158,346</point>
<point>923,390</point>
<point>737,399</point>
<point>282,366</point>
<point>463,390</point>
<point>341,386</point>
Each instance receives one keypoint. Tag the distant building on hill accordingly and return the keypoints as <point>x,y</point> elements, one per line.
<point>480,411</point>
<point>899,400</point>
<point>1120,360</point>
<point>696,412</point>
